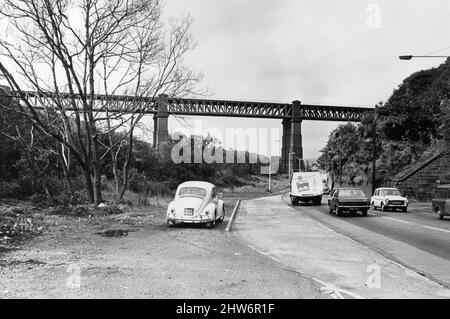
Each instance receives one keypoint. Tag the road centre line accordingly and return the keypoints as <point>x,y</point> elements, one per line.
<point>428,227</point>
<point>397,220</point>
<point>439,229</point>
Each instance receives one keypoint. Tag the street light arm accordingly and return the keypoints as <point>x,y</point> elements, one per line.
<point>409,57</point>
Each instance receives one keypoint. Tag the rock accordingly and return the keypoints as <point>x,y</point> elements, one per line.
<point>102,205</point>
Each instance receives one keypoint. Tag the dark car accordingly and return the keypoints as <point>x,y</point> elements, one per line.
<point>441,201</point>
<point>348,200</point>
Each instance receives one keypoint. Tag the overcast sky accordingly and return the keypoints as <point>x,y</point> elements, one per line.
<point>335,52</point>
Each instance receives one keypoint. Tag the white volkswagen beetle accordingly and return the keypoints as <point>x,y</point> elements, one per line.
<point>196,202</point>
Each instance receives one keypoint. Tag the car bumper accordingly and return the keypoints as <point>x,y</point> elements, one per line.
<point>396,206</point>
<point>306,197</point>
<point>343,207</point>
<point>189,220</point>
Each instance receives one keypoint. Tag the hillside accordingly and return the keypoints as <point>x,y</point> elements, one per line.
<point>412,126</point>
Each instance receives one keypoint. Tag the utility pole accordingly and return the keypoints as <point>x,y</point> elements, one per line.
<point>374,155</point>
<point>340,161</point>
<point>337,135</point>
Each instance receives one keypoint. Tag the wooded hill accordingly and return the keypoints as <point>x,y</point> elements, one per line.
<point>412,125</point>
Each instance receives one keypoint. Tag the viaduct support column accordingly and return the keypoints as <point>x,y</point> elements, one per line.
<point>295,145</point>
<point>161,122</point>
<point>286,144</point>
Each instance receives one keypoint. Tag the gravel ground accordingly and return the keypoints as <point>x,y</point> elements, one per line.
<point>75,258</point>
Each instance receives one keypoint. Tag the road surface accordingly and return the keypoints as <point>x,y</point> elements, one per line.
<point>416,239</point>
<point>351,257</point>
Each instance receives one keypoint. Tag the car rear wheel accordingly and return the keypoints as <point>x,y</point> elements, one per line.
<point>438,211</point>
<point>212,223</point>
<point>171,223</point>
<point>223,215</point>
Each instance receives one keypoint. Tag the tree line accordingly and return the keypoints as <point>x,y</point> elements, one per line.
<point>68,52</point>
<point>413,124</point>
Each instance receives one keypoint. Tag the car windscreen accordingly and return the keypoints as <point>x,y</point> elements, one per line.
<point>351,193</point>
<point>193,191</point>
<point>391,192</point>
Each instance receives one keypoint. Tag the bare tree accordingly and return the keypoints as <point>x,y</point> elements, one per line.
<point>77,49</point>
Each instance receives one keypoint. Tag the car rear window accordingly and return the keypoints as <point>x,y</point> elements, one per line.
<point>351,193</point>
<point>390,192</point>
<point>193,191</point>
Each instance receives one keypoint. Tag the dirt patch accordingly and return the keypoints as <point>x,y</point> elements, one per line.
<point>114,233</point>
<point>5,249</point>
<point>18,222</point>
<point>85,210</point>
<point>151,262</point>
<point>14,263</point>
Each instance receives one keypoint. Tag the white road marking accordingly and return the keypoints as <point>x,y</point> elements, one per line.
<point>397,220</point>
<point>439,229</point>
<point>336,292</point>
<point>292,227</point>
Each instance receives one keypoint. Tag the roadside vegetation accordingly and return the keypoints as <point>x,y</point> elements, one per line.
<point>67,159</point>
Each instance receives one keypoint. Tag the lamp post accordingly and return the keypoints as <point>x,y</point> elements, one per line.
<point>270,167</point>
<point>374,141</point>
<point>289,171</point>
<point>338,135</point>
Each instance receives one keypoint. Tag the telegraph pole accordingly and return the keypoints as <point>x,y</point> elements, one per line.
<point>374,155</point>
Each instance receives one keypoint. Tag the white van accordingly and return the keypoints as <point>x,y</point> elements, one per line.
<point>305,187</point>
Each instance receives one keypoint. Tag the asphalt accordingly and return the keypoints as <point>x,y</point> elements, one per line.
<point>416,239</point>
<point>340,253</point>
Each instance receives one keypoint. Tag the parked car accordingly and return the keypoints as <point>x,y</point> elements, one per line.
<point>196,203</point>
<point>389,198</point>
<point>348,200</point>
<point>441,201</point>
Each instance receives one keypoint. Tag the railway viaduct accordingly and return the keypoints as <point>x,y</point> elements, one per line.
<point>291,114</point>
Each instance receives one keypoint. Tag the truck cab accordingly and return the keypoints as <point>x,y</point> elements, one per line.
<point>306,187</point>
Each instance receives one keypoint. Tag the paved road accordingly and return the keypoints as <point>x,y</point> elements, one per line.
<point>341,253</point>
<point>417,238</point>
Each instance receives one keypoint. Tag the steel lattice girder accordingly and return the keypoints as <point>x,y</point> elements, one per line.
<point>200,107</point>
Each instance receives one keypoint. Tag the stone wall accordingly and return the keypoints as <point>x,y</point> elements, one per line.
<point>421,183</point>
